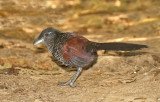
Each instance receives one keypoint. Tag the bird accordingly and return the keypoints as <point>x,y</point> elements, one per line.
<point>74,50</point>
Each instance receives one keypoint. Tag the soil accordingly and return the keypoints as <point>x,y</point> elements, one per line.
<point>29,74</point>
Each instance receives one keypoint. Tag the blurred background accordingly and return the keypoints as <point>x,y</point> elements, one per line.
<point>99,20</point>
<point>116,77</point>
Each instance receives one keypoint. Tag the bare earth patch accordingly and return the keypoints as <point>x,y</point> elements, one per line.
<point>114,78</point>
<point>29,74</point>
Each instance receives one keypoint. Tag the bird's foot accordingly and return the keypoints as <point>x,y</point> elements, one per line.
<point>67,83</point>
<point>63,83</point>
<point>72,84</point>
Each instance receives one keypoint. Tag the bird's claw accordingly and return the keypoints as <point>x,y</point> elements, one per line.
<point>63,83</point>
<point>72,84</point>
<point>67,83</point>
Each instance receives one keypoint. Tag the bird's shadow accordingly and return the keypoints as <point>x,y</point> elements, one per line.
<point>123,53</point>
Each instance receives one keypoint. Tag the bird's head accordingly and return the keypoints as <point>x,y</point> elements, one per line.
<point>47,34</point>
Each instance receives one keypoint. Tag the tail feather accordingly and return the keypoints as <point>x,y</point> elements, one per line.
<point>117,46</point>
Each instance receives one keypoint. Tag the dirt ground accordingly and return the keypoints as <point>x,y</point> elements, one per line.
<point>28,73</point>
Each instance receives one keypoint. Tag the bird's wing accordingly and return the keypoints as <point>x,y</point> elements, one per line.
<point>74,51</point>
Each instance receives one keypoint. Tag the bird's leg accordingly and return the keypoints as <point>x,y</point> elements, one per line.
<point>75,76</point>
<point>72,79</point>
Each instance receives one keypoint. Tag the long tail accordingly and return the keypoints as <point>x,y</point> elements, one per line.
<point>116,46</point>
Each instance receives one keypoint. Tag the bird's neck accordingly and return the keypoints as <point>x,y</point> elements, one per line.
<point>50,43</point>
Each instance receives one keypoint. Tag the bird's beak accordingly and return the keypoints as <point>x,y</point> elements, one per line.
<point>37,41</point>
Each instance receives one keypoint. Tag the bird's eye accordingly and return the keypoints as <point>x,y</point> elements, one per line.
<point>48,33</point>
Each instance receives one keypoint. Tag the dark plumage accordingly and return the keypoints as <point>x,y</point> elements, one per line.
<point>76,51</point>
